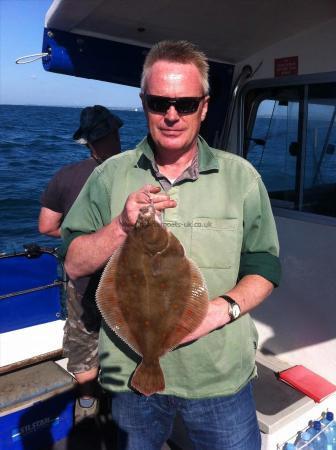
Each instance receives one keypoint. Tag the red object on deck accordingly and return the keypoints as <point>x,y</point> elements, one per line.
<point>307,382</point>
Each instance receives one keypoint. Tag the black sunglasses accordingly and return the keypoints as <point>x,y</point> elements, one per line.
<point>183,105</point>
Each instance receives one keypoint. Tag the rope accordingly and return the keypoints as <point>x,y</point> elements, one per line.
<point>28,291</point>
<point>31,58</point>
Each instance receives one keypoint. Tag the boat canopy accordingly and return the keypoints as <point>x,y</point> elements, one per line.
<point>108,40</point>
<point>228,31</point>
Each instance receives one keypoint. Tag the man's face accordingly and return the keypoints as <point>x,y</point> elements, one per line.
<point>172,131</point>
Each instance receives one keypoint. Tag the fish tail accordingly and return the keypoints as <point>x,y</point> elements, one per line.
<point>148,378</point>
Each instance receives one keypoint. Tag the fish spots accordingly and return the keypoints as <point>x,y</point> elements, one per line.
<point>122,283</point>
<point>152,296</point>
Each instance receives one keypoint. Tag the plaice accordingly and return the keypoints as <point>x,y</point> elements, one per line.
<point>152,296</point>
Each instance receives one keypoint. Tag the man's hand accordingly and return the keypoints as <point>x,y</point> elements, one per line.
<point>88,253</point>
<point>144,196</point>
<point>216,317</point>
<point>249,292</point>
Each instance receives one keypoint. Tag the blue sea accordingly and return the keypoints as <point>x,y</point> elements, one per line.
<point>35,141</point>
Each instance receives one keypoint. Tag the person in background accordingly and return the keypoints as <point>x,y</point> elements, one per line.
<point>208,379</point>
<point>99,131</point>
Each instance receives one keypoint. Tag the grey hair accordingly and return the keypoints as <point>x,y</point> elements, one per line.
<point>183,52</point>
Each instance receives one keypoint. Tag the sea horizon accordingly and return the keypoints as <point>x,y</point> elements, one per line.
<point>119,108</point>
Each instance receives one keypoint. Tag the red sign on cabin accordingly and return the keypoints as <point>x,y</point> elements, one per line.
<point>286,66</point>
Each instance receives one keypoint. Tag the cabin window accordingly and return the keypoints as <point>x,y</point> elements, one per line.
<point>290,137</point>
<point>319,192</point>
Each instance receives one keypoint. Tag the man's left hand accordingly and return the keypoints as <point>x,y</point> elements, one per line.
<point>216,317</point>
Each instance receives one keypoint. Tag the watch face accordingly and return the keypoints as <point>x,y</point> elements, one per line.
<point>235,311</point>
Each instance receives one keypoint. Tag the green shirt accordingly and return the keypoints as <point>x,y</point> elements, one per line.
<point>225,222</point>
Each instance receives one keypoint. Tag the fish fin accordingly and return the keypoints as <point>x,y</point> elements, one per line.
<point>108,305</point>
<point>148,378</point>
<point>196,308</point>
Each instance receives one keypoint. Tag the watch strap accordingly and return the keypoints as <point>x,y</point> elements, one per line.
<point>228,299</point>
<point>232,304</point>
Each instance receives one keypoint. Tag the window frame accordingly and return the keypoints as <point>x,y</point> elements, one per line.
<point>302,82</point>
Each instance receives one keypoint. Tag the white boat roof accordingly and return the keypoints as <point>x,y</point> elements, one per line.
<point>229,30</point>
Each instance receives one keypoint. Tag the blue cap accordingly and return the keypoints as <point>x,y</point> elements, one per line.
<point>317,425</point>
<point>330,415</point>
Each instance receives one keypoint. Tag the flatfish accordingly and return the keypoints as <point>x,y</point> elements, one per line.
<point>151,295</point>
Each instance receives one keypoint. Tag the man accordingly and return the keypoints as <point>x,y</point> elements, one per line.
<point>225,223</point>
<point>99,131</point>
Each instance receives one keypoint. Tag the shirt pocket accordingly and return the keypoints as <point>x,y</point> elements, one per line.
<point>214,242</point>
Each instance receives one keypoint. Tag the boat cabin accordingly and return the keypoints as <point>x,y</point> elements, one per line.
<point>273,101</point>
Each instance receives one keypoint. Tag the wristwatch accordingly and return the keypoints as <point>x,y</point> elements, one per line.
<point>234,308</point>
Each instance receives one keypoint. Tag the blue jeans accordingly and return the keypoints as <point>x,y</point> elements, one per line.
<point>220,423</point>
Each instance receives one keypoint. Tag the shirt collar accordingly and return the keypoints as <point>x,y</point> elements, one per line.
<point>206,159</point>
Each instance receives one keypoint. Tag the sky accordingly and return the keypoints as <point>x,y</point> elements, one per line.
<point>21,33</point>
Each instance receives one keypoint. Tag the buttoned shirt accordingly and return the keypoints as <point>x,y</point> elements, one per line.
<point>224,220</point>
